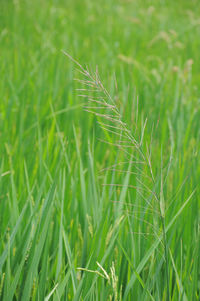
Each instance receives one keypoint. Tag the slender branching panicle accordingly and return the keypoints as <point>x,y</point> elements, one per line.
<point>138,153</point>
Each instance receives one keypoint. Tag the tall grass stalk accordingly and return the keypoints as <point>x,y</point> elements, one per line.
<point>100,100</point>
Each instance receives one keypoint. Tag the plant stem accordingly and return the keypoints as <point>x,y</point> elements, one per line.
<point>166,256</point>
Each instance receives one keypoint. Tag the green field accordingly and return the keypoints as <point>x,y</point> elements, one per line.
<point>100,205</point>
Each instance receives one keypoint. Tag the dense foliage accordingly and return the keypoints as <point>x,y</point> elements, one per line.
<point>81,218</point>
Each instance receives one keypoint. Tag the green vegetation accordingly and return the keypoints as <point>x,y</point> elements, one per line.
<point>82,218</point>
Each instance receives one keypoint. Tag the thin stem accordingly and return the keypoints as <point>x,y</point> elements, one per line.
<point>166,255</point>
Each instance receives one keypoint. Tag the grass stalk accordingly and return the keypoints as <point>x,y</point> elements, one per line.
<point>115,118</point>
